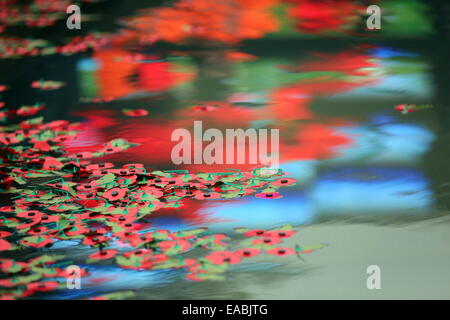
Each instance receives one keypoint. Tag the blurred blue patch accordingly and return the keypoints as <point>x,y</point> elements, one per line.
<point>388,143</point>
<point>372,191</point>
<point>293,208</point>
<point>109,278</point>
<point>88,64</point>
<point>385,52</point>
<point>380,119</point>
<point>304,171</point>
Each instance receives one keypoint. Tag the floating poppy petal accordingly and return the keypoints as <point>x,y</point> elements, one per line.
<point>248,252</point>
<point>135,112</point>
<point>281,251</point>
<point>103,254</point>
<point>4,245</point>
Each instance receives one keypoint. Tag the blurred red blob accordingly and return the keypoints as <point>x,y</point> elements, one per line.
<point>135,112</point>
<point>223,21</point>
<point>318,16</point>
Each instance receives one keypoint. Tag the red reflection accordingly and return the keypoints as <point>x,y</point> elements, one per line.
<point>285,106</point>
<point>314,141</point>
<point>159,76</point>
<point>351,63</point>
<point>317,16</point>
<point>303,136</point>
<point>116,72</point>
<point>225,21</point>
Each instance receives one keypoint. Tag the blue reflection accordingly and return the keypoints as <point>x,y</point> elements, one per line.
<point>171,223</point>
<point>304,171</point>
<point>105,279</point>
<point>403,142</point>
<point>387,143</point>
<point>372,190</point>
<point>88,64</point>
<point>293,208</point>
<point>386,53</point>
<point>381,118</point>
<point>404,74</point>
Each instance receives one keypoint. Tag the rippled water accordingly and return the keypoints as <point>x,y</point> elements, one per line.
<point>354,156</point>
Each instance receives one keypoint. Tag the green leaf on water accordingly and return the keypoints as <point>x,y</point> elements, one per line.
<point>191,232</point>
<point>148,197</point>
<point>19,180</point>
<point>121,143</point>
<point>241,229</point>
<point>33,239</point>
<point>27,279</point>
<point>71,191</point>
<point>231,195</point>
<point>107,178</point>
<point>132,261</point>
<point>46,259</point>
<point>230,179</point>
<point>160,173</point>
<point>15,268</point>
<point>147,210</point>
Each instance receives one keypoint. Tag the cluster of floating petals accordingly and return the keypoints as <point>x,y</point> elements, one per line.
<point>55,196</point>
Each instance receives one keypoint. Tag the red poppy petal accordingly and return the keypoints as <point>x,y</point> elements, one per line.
<point>103,254</point>
<point>281,251</point>
<point>248,252</point>
<point>4,245</point>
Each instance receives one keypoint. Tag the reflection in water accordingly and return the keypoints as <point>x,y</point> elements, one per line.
<point>388,143</point>
<point>352,153</point>
<point>105,279</point>
<point>280,100</point>
<point>306,148</point>
<point>259,214</point>
<point>372,191</point>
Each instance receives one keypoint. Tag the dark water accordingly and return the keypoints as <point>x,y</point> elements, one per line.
<point>354,156</point>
